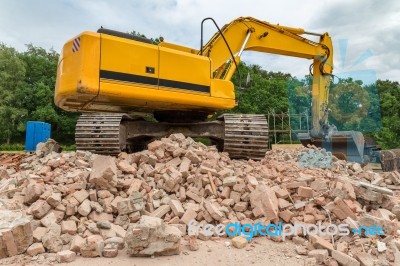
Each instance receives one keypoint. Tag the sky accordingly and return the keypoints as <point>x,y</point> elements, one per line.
<point>365,33</point>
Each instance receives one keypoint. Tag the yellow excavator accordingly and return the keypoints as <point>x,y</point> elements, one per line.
<point>109,75</point>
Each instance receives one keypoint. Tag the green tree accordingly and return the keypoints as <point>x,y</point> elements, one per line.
<point>266,92</point>
<point>153,40</point>
<point>12,113</point>
<point>37,94</point>
<point>354,106</point>
<point>389,94</point>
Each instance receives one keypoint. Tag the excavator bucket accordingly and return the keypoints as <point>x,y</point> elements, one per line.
<point>390,160</point>
<point>345,145</point>
<point>351,146</point>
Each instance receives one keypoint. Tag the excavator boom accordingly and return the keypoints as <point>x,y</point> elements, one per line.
<point>250,34</point>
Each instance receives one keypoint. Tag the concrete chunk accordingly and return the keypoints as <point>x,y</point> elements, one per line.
<point>104,172</point>
<point>151,236</point>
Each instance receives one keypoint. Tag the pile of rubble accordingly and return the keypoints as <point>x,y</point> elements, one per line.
<point>11,159</point>
<point>94,205</point>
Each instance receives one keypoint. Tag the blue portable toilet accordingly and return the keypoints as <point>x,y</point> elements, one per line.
<point>36,132</point>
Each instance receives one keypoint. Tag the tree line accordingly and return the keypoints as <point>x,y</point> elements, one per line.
<point>27,82</point>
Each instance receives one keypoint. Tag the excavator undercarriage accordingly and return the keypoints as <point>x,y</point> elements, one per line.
<point>243,136</point>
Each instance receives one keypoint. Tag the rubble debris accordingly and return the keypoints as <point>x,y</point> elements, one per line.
<point>193,243</point>
<point>151,236</point>
<point>15,233</point>
<point>103,172</point>
<point>66,256</point>
<point>315,158</point>
<point>94,205</point>
<point>239,242</point>
<point>10,160</point>
<point>344,259</point>
<point>45,148</point>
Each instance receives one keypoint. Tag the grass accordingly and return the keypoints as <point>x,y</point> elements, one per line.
<point>12,147</point>
<point>71,147</point>
<point>20,148</point>
<point>205,141</point>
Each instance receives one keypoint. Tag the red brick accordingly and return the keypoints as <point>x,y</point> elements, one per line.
<point>161,211</point>
<point>265,199</point>
<point>225,192</point>
<point>296,184</point>
<point>66,256</point>
<point>240,206</point>
<point>81,195</point>
<point>176,207</point>
<point>35,249</point>
<point>152,146</point>
<point>235,196</point>
<point>305,192</point>
<point>319,242</point>
<point>193,244</point>
<point>344,259</point>
<point>189,215</point>
<point>193,196</point>
<point>8,239</point>
<point>227,202</point>
<point>286,215</point>
<point>343,207</point>
<point>213,210</point>
<point>320,254</point>
<point>40,208</point>
<point>110,252</point>
<point>69,227</point>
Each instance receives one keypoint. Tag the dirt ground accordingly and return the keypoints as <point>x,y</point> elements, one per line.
<point>260,251</point>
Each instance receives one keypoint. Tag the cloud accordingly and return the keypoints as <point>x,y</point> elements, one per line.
<point>366,24</point>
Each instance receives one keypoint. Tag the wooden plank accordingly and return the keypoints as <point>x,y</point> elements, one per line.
<point>213,188</point>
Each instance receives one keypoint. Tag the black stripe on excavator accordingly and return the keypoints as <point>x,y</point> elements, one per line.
<point>106,74</point>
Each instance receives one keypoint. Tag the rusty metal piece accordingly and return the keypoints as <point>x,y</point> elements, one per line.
<point>390,160</point>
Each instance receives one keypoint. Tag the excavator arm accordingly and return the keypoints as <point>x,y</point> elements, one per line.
<point>250,34</point>
<point>246,33</point>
